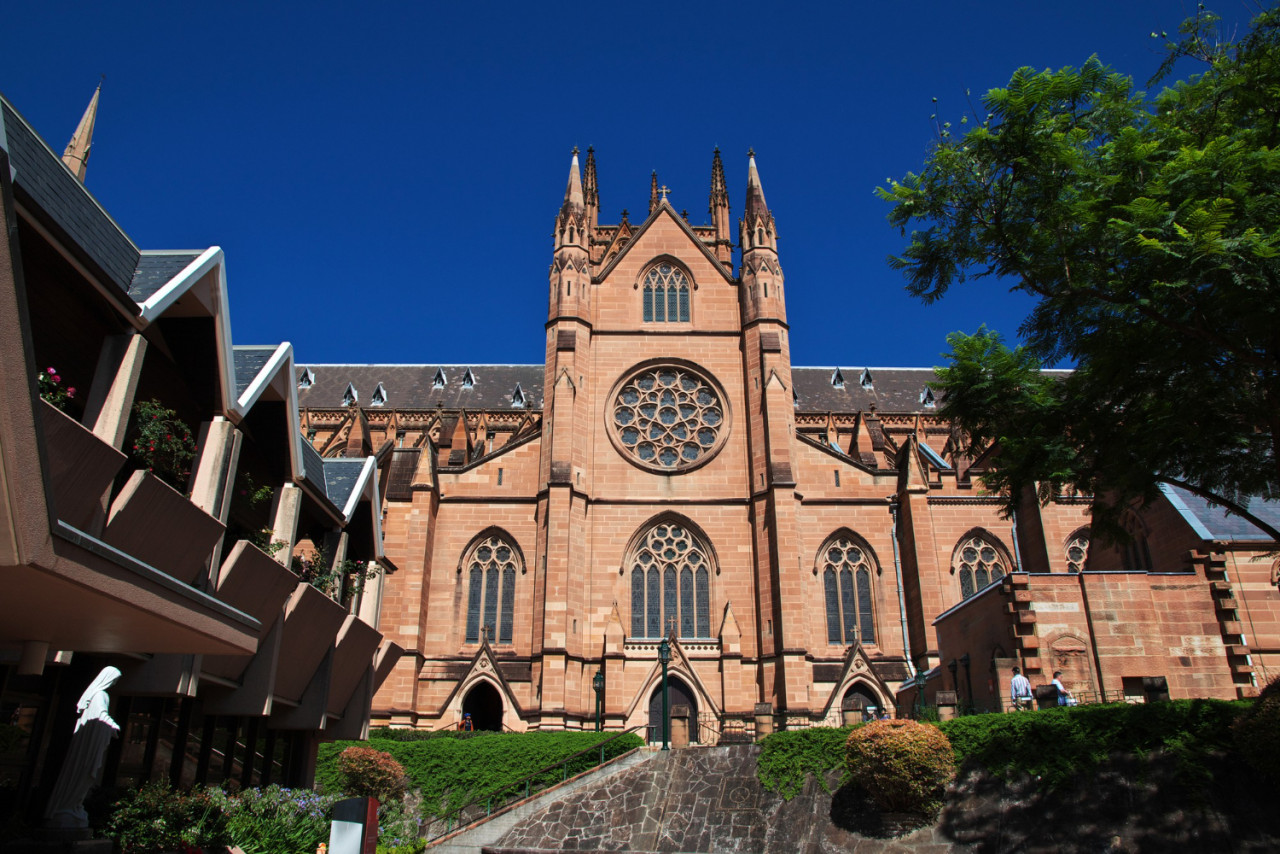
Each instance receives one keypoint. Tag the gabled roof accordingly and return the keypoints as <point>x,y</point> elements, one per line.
<point>249,362</point>
<point>157,269</point>
<point>412,386</point>
<point>342,479</point>
<point>65,203</point>
<point>665,207</point>
<point>1211,522</point>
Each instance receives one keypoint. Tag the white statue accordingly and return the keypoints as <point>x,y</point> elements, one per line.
<point>82,768</point>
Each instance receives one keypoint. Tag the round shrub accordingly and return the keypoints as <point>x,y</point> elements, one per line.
<point>902,764</point>
<point>369,773</point>
<point>1257,732</point>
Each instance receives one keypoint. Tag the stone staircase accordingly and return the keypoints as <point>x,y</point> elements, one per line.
<point>699,799</point>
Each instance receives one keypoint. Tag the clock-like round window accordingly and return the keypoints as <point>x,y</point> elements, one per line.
<point>668,418</point>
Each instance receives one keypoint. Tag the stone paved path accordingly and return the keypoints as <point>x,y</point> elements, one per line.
<point>700,800</point>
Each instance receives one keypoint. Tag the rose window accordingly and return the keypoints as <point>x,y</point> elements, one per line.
<point>668,418</point>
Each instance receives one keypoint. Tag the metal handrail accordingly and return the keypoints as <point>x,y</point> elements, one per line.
<point>524,782</point>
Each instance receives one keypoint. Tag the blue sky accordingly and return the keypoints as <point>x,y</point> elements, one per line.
<point>384,176</point>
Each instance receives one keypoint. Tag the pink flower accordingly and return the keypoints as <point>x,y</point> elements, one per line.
<point>50,370</point>
<point>71,392</point>
<point>56,378</point>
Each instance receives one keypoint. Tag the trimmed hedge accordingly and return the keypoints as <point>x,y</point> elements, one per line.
<point>1056,744</point>
<point>1052,744</point>
<point>450,772</point>
<point>1257,732</point>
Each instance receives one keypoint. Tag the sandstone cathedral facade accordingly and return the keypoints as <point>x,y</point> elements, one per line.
<point>807,539</point>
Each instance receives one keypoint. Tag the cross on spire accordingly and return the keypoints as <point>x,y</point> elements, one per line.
<point>664,189</point>
<point>671,626</point>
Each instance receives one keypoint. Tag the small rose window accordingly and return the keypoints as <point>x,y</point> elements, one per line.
<point>668,418</point>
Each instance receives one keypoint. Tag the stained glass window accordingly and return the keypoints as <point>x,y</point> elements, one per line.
<point>682,599</point>
<point>846,581</point>
<point>492,564</point>
<point>669,418</point>
<point>979,565</point>
<point>666,295</point>
<point>1078,550</point>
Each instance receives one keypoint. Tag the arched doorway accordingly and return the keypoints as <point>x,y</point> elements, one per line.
<point>484,704</point>
<point>679,695</point>
<point>862,699</point>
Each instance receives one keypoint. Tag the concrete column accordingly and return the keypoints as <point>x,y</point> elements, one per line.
<point>215,469</point>
<point>115,382</point>
<point>284,528</point>
<point>369,605</point>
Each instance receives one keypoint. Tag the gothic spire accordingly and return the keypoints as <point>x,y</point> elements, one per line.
<point>592,190</point>
<point>653,192</point>
<point>572,220</point>
<point>755,206</point>
<point>77,154</point>
<point>719,209</point>
<point>719,190</point>
<point>573,192</point>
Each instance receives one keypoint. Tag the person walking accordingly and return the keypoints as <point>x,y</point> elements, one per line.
<point>1020,690</point>
<point>1064,696</point>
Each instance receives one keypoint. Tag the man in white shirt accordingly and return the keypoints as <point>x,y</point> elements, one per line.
<point>1064,696</point>
<point>1020,690</point>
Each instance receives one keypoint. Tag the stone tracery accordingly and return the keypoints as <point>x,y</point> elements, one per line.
<point>668,418</point>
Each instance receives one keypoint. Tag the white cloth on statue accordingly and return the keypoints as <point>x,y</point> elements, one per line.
<point>82,767</point>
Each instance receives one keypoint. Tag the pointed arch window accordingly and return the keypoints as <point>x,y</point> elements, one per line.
<point>1136,553</point>
<point>670,583</point>
<point>1078,550</point>
<point>491,565</point>
<point>666,295</point>
<point>846,566</point>
<point>979,564</point>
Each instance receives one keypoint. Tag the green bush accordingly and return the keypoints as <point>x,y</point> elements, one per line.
<point>369,773</point>
<point>400,826</point>
<point>1257,733</point>
<point>157,818</point>
<point>903,765</point>
<point>450,772</point>
<point>786,758</point>
<point>277,821</point>
<point>1057,744</point>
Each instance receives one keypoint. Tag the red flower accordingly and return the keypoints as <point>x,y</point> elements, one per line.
<point>71,392</point>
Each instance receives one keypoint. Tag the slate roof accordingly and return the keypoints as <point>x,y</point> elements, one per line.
<point>312,464</point>
<point>157,269</point>
<point>64,201</point>
<point>249,362</point>
<point>891,389</point>
<point>340,478</point>
<point>1215,523</point>
<point>411,386</point>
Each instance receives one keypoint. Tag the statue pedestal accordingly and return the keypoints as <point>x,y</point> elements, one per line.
<point>58,840</point>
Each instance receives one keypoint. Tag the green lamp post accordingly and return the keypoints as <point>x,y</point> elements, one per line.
<point>597,682</point>
<point>664,655</point>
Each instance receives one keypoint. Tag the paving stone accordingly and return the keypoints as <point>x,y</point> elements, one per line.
<point>698,801</point>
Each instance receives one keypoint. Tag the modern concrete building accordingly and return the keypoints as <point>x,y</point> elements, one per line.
<point>182,561</point>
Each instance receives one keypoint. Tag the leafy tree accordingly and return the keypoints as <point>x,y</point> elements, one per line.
<point>1148,229</point>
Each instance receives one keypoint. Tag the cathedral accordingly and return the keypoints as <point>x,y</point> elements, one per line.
<point>807,540</point>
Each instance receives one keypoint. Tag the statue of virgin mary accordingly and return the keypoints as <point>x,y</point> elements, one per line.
<point>82,769</point>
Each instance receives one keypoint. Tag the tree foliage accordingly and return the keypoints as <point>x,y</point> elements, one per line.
<point>1148,230</point>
